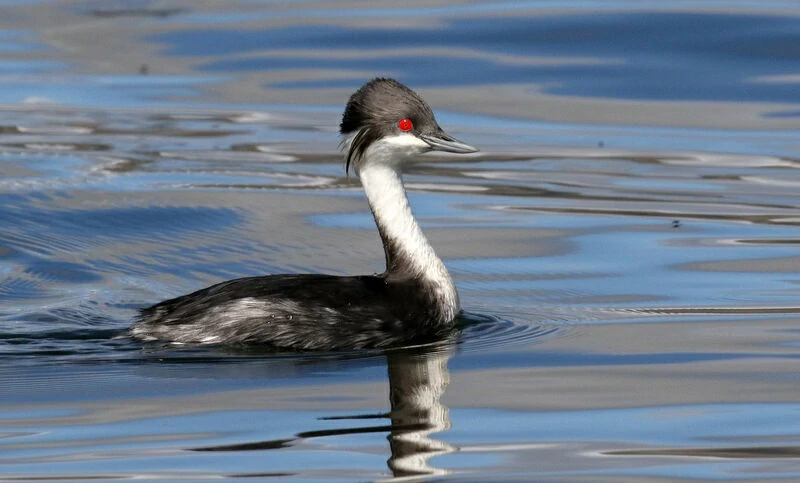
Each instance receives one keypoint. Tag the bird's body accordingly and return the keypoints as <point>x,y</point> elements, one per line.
<point>413,301</point>
<point>347,313</point>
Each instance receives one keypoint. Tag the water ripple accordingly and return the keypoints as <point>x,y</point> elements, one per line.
<point>482,332</point>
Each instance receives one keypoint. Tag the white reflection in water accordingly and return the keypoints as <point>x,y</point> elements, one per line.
<point>417,383</point>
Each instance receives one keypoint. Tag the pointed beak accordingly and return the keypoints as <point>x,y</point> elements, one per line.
<point>441,141</point>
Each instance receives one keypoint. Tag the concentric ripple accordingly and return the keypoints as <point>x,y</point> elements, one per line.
<point>483,331</point>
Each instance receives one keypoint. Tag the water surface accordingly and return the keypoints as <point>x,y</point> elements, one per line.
<point>625,244</point>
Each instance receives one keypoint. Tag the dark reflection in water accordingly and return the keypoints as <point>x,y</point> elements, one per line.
<point>753,452</point>
<point>417,380</point>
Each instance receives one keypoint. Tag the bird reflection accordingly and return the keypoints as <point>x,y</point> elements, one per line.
<point>417,380</point>
<point>416,385</point>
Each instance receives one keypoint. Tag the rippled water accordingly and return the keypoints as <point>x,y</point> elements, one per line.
<point>625,244</point>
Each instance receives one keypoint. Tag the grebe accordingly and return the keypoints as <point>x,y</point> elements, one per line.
<point>384,125</point>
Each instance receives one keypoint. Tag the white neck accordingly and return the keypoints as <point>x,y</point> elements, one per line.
<point>407,250</point>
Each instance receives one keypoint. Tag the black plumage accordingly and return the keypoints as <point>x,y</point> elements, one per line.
<point>346,313</point>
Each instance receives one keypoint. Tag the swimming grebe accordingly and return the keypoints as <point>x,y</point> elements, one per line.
<point>384,125</point>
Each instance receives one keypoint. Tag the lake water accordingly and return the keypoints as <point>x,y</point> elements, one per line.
<point>625,243</point>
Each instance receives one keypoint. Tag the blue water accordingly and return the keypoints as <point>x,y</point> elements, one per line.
<point>618,55</point>
<point>625,245</point>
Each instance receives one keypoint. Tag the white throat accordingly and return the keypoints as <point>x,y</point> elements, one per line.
<point>407,248</point>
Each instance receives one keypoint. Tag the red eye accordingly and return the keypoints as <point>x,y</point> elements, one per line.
<point>405,125</point>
